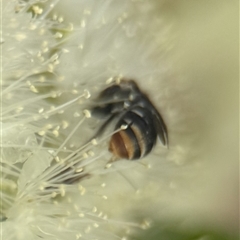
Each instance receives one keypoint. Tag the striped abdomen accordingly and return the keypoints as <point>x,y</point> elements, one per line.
<point>138,139</point>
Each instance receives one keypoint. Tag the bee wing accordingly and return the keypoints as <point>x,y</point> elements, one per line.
<point>161,128</point>
<point>157,119</point>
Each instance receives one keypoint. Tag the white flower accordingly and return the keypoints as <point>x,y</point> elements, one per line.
<point>51,69</point>
<point>56,57</point>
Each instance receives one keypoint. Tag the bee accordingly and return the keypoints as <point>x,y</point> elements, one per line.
<point>138,121</point>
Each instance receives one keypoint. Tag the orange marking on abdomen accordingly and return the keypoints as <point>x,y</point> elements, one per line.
<point>121,145</point>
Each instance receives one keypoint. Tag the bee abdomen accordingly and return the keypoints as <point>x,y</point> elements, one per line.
<point>136,140</point>
<point>123,144</point>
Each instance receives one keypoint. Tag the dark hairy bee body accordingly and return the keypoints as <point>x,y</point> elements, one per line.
<point>138,121</point>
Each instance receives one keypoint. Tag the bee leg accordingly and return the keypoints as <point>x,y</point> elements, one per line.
<point>103,127</point>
